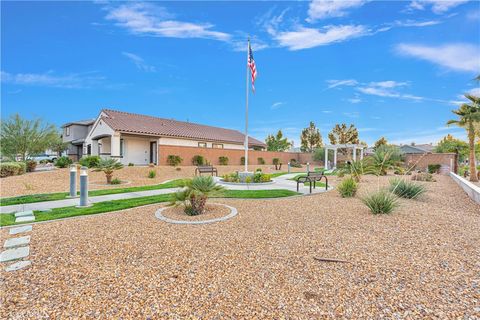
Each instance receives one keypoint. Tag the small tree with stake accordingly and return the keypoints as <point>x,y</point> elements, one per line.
<point>108,166</point>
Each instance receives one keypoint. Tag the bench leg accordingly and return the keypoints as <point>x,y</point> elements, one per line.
<point>310,186</point>
<point>297,185</point>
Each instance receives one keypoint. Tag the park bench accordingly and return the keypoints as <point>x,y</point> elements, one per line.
<point>206,169</point>
<point>312,177</point>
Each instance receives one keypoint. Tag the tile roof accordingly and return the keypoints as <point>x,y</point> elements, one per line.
<point>148,125</point>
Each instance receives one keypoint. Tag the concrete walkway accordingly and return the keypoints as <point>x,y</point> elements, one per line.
<point>280,182</point>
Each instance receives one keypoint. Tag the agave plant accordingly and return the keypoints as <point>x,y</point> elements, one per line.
<point>108,166</point>
<point>194,194</point>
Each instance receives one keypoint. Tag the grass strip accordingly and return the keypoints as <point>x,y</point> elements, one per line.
<point>63,195</point>
<point>116,205</point>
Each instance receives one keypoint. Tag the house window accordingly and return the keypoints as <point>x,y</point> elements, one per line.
<point>121,147</point>
<point>202,144</point>
<point>217,146</point>
<point>67,131</point>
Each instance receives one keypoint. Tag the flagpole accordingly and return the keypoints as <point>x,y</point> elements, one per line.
<point>246,112</point>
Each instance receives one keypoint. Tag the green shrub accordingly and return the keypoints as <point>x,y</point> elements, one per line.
<point>31,165</point>
<point>266,177</point>
<point>130,164</point>
<point>258,170</point>
<point>380,202</point>
<point>152,174</point>
<point>242,160</point>
<point>294,163</point>
<point>115,181</point>
<point>423,176</point>
<point>406,189</point>
<point>198,160</point>
<point>89,161</point>
<point>232,177</point>
<point>354,168</point>
<point>8,169</point>
<point>399,171</point>
<point>433,168</point>
<point>248,179</point>
<point>63,162</point>
<point>260,160</point>
<point>223,161</point>
<point>174,160</point>
<point>275,161</point>
<point>348,187</point>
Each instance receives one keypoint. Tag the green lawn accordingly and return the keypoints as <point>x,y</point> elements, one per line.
<point>63,195</point>
<point>317,184</point>
<point>115,205</point>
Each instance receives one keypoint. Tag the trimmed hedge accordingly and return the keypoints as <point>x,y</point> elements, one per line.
<point>63,162</point>
<point>8,169</point>
<point>89,161</point>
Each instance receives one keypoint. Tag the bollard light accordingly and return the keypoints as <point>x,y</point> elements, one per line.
<point>83,187</point>
<point>308,167</point>
<point>289,167</point>
<point>73,181</point>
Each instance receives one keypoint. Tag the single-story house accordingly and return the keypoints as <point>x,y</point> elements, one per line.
<point>417,148</point>
<point>140,139</point>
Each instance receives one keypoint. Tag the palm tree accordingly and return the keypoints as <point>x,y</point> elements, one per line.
<point>468,116</point>
<point>195,193</point>
<point>108,166</point>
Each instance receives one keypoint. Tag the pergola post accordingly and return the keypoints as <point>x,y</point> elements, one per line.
<point>361,154</point>
<point>354,154</point>
<point>326,158</point>
<point>335,158</point>
<point>94,148</point>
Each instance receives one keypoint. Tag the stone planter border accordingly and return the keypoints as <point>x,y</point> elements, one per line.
<point>233,213</point>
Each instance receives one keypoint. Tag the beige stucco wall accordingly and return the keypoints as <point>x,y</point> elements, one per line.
<point>136,150</point>
<point>194,143</point>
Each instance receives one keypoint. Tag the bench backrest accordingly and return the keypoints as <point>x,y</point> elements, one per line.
<point>315,174</point>
<point>205,167</point>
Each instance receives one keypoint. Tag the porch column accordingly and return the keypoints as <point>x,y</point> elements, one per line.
<point>94,148</point>
<point>115,145</point>
<point>335,158</point>
<point>354,154</point>
<point>326,158</point>
<point>361,154</point>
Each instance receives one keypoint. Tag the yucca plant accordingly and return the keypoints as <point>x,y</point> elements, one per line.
<point>406,189</point>
<point>385,157</point>
<point>348,187</point>
<point>195,193</point>
<point>381,202</point>
<point>355,169</point>
<point>108,166</point>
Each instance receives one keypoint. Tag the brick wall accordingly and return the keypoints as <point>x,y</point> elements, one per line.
<point>234,156</point>
<point>423,160</point>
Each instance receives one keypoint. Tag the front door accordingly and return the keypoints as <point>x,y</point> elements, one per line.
<point>153,152</point>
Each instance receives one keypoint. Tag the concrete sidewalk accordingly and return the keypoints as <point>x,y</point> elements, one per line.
<point>280,182</point>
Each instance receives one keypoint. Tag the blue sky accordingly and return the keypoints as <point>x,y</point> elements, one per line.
<point>393,69</point>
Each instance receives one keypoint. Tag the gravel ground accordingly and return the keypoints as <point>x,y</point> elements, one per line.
<point>212,211</point>
<point>422,261</point>
<point>58,180</point>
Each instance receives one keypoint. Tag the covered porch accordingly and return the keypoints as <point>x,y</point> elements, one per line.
<point>126,148</point>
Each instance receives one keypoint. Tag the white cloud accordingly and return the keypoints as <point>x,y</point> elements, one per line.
<point>354,100</point>
<point>458,57</point>
<point>338,83</point>
<point>321,9</point>
<point>149,19</point>
<point>414,23</point>
<point>49,79</point>
<point>276,105</point>
<point>139,62</point>
<point>326,111</point>
<point>304,38</point>
<point>387,89</point>
<point>388,84</point>
<point>437,6</point>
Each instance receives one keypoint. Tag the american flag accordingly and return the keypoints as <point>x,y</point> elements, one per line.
<point>251,65</point>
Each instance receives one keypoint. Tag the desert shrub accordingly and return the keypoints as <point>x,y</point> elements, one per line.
<point>198,160</point>
<point>248,179</point>
<point>30,165</point>
<point>433,168</point>
<point>294,163</point>
<point>63,162</point>
<point>108,166</point>
<point>261,160</point>
<point>174,160</point>
<point>423,176</point>
<point>275,161</point>
<point>348,187</point>
<point>231,177</point>
<point>115,181</point>
<point>399,171</point>
<point>354,168</point>
<point>380,202</point>
<point>242,160</point>
<point>151,165</point>
<point>152,174</point>
<point>89,161</point>
<point>8,169</point>
<point>258,170</point>
<point>385,157</point>
<point>406,189</point>
<point>266,177</point>
<point>130,164</point>
<point>178,168</point>
<point>223,160</point>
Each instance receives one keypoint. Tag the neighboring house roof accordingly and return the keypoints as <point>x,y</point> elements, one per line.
<point>141,124</point>
<point>80,122</point>
<point>416,149</point>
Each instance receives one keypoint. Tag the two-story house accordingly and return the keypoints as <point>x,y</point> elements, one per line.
<point>75,133</point>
